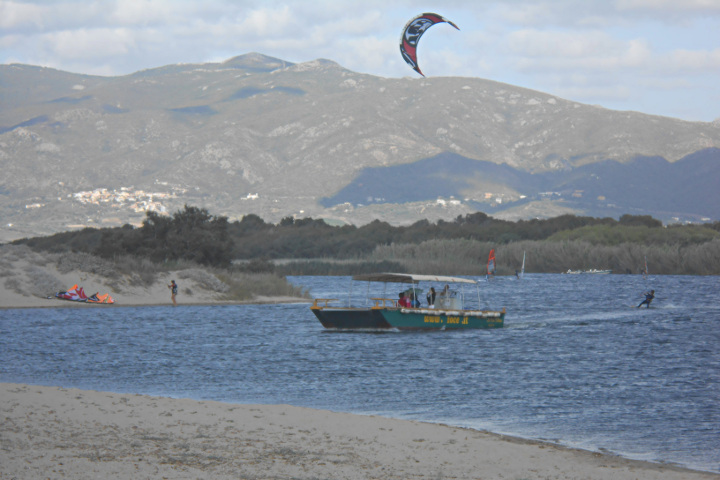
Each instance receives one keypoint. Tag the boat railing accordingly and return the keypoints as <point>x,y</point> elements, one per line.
<point>325,302</point>
<point>384,302</point>
<point>320,303</point>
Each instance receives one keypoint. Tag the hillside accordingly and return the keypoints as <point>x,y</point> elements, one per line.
<point>683,190</point>
<point>260,135</point>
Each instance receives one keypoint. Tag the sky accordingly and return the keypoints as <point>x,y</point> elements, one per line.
<point>660,57</point>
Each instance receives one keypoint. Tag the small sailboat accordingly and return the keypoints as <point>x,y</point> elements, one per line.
<point>491,264</point>
<point>522,269</point>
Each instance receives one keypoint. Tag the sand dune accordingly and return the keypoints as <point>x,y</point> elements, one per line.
<point>29,278</point>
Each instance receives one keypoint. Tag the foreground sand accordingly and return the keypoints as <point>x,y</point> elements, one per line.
<point>50,432</point>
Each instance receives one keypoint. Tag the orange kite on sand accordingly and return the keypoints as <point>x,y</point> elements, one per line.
<point>95,298</point>
<point>77,294</point>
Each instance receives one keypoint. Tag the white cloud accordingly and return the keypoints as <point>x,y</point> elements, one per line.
<point>270,23</point>
<point>536,43</point>
<point>666,6</point>
<point>588,50</point>
<point>708,60</point>
<point>542,50</point>
<point>18,15</point>
<point>146,12</point>
<point>369,54</point>
<point>91,44</point>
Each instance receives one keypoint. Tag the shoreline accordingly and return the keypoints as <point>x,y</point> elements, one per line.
<point>70,433</point>
<point>31,279</point>
<point>30,303</point>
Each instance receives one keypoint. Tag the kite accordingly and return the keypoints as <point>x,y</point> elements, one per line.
<point>411,36</point>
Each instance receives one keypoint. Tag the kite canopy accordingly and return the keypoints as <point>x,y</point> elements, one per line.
<point>411,36</point>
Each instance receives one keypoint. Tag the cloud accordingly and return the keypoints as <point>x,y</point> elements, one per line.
<point>542,50</point>
<point>605,48</point>
<point>91,44</point>
<point>690,7</point>
<point>704,60</point>
<point>140,13</point>
<point>274,23</point>
<point>601,13</point>
<point>15,16</point>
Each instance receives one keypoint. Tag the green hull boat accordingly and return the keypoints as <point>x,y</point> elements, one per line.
<point>444,311</point>
<point>411,319</point>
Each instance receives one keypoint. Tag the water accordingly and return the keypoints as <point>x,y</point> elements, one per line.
<point>575,364</point>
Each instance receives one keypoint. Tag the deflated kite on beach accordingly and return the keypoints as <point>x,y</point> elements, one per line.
<point>77,294</point>
<point>95,298</point>
<point>74,294</point>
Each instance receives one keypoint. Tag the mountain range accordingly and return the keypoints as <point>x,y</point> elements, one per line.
<point>256,134</point>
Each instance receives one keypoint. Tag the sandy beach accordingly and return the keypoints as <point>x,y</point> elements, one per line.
<point>31,279</point>
<point>51,432</point>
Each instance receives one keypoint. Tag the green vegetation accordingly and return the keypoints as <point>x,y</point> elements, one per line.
<point>308,246</point>
<point>468,257</point>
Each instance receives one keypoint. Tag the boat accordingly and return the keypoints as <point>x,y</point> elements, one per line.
<point>385,313</point>
<point>491,264</point>
<point>522,269</point>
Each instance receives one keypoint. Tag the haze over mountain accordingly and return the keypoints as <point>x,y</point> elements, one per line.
<point>260,135</point>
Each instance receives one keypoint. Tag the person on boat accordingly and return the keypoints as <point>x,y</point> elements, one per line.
<point>431,297</point>
<point>404,301</point>
<point>648,298</point>
<point>173,291</point>
<point>414,302</point>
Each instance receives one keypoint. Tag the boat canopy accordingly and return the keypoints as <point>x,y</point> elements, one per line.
<point>408,278</point>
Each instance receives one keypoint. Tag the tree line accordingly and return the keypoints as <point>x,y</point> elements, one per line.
<point>193,234</point>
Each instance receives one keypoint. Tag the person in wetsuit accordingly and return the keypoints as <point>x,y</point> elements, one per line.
<point>173,292</point>
<point>648,298</point>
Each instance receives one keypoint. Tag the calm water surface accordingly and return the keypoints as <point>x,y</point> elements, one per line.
<point>574,364</point>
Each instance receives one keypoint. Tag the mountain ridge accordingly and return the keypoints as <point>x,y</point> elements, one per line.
<point>256,134</point>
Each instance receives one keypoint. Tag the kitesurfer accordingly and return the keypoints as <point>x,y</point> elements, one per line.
<point>173,291</point>
<point>648,298</point>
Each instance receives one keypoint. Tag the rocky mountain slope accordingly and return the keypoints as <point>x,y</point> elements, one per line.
<point>260,135</point>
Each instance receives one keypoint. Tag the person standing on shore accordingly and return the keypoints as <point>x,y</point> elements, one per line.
<point>173,291</point>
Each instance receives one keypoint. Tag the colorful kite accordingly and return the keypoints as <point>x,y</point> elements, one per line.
<point>412,33</point>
